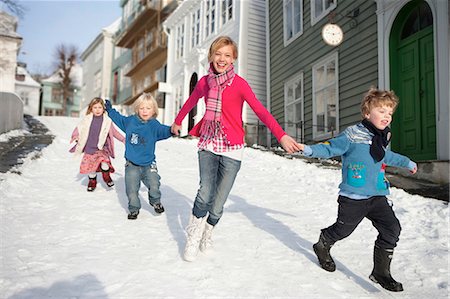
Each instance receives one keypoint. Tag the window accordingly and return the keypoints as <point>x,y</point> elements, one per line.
<point>419,19</point>
<point>149,41</point>
<point>24,97</point>
<point>321,8</point>
<point>97,81</point>
<point>140,51</point>
<point>292,19</point>
<point>325,98</point>
<point>98,53</point>
<point>179,42</point>
<point>227,11</point>
<point>56,95</point>
<point>210,17</point>
<point>115,90</point>
<point>293,101</point>
<point>195,30</point>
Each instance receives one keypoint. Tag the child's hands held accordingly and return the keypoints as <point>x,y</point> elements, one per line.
<point>412,167</point>
<point>289,144</point>
<point>108,104</point>
<point>175,129</point>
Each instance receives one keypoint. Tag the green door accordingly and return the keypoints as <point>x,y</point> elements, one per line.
<point>412,79</point>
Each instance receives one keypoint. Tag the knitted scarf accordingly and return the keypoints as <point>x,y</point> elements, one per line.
<point>212,119</point>
<point>380,140</point>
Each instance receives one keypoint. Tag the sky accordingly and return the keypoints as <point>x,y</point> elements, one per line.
<point>60,241</point>
<point>47,24</point>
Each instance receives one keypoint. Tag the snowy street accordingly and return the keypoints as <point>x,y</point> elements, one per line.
<point>60,241</point>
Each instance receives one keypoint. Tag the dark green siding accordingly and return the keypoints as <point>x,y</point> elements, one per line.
<point>357,58</point>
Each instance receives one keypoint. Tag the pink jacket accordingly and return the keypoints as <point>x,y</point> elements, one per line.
<point>82,130</point>
<point>233,98</point>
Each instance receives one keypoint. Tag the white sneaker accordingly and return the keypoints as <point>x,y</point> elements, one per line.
<point>194,234</point>
<point>206,241</point>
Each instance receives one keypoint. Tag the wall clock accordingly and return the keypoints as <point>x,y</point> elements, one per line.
<point>332,34</point>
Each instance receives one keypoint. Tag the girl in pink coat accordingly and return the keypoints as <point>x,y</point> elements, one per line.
<point>94,137</point>
<point>221,139</point>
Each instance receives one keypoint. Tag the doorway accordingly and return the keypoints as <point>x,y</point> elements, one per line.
<point>413,80</point>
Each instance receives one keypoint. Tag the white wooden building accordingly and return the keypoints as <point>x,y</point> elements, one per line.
<point>191,28</point>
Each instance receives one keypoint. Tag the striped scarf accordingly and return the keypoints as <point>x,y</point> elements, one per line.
<point>212,126</point>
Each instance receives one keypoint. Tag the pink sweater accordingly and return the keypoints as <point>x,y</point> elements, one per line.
<point>233,98</point>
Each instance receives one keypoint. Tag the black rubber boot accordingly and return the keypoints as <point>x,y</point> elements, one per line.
<point>322,250</point>
<point>381,272</point>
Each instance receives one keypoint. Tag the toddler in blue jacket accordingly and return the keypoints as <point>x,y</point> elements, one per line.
<point>142,131</point>
<point>364,187</point>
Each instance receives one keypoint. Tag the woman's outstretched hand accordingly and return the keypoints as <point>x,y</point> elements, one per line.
<point>290,145</point>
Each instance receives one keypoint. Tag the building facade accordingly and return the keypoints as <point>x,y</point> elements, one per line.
<point>141,31</point>
<point>28,90</point>
<point>52,95</point>
<point>400,45</point>
<point>120,89</point>
<point>10,43</point>
<point>97,62</point>
<point>192,28</point>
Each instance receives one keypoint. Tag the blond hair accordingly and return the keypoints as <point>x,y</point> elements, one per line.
<point>220,42</point>
<point>146,98</point>
<point>94,101</point>
<point>376,98</point>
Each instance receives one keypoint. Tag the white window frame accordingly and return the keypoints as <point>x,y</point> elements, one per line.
<point>224,11</point>
<point>288,9</point>
<point>316,88</point>
<point>210,17</point>
<point>325,11</point>
<point>196,24</point>
<point>179,42</point>
<point>290,106</point>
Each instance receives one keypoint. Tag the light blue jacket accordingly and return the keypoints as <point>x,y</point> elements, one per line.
<point>362,177</point>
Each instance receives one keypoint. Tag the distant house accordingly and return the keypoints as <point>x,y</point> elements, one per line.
<point>192,28</point>
<point>96,63</point>
<point>10,43</point>
<point>141,31</point>
<point>316,89</point>
<point>121,89</point>
<point>52,95</point>
<point>28,90</point>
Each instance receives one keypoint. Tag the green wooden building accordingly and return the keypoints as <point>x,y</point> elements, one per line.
<point>315,89</point>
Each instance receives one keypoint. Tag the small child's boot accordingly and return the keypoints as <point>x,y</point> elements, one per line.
<point>92,184</point>
<point>107,178</point>
<point>381,272</point>
<point>322,250</point>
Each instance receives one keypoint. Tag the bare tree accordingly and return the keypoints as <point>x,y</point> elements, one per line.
<point>14,6</point>
<point>66,57</point>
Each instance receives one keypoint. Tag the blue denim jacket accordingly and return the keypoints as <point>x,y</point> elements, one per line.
<point>361,175</point>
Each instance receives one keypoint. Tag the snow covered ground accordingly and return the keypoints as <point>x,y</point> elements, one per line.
<point>59,241</point>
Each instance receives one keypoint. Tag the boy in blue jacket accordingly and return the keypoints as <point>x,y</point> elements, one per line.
<point>142,131</point>
<point>364,187</point>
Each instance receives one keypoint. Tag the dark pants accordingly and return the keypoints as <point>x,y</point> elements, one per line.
<point>377,209</point>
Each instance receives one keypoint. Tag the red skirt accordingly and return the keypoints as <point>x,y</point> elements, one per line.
<point>91,163</point>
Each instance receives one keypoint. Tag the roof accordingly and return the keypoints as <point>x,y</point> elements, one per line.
<point>29,81</point>
<point>76,74</point>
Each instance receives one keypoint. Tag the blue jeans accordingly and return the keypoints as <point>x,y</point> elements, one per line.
<point>134,174</point>
<point>217,175</point>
